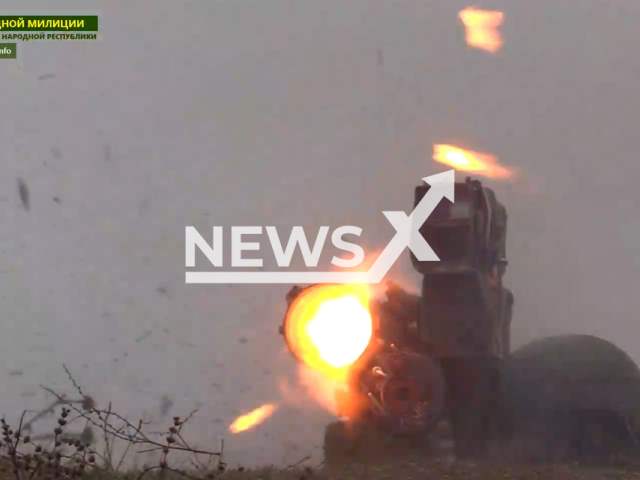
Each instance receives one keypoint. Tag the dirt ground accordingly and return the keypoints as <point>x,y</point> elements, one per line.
<point>409,469</point>
<point>421,471</point>
<point>416,471</point>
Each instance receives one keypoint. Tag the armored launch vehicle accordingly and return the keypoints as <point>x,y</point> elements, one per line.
<point>443,356</point>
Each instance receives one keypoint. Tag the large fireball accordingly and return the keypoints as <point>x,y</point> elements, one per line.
<point>329,327</point>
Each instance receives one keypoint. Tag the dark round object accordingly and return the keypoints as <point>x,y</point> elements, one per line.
<point>580,371</point>
<point>413,393</point>
<point>575,395</point>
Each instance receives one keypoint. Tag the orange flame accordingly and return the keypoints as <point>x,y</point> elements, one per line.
<point>253,418</point>
<point>481,28</point>
<point>469,161</point>
<point>329,327</point>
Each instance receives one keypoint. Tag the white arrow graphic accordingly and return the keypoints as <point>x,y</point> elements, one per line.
<point>407,235</point>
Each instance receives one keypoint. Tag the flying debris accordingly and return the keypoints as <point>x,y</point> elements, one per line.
<point>481,28</point>
<point>57,154</point>
<point>23,191</point>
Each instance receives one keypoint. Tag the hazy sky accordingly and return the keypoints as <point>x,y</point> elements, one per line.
<point>272,112</point>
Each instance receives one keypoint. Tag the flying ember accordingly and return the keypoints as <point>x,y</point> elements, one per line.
<point>469,161</point>
<point>481,27</point>
<point>253,418</point>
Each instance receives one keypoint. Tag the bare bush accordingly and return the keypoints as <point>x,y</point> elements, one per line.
<point>70,456</point>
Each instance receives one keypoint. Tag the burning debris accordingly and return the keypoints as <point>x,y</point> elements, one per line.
<point>481,28</point>
<point>470,161</point>
<point>255,417</point>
